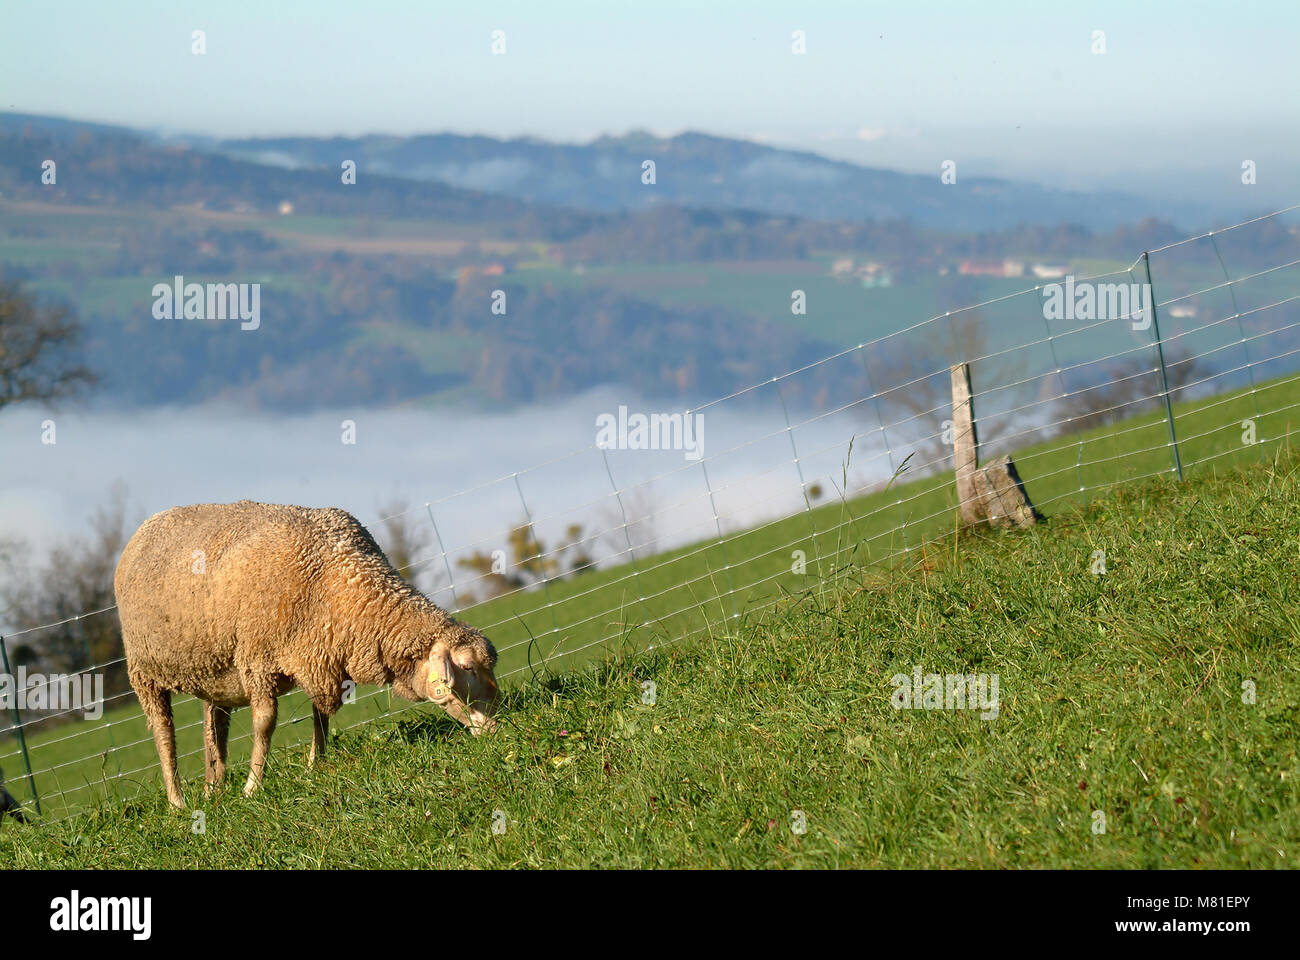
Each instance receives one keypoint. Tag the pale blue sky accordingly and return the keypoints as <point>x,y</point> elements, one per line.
<point>1010,86</point>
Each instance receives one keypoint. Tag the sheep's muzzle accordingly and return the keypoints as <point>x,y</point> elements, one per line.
<point>476,713</point>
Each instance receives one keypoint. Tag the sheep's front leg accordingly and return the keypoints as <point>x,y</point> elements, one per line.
<point>320,733</point>
<point>325,702</point>
<point>216,734</point>
<point>263,727</point>
<point>157,706</point>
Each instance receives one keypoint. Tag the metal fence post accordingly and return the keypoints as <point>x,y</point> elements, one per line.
<point>722,543</point>
<point>451,578</point>
<point>627,536</point>
<point>803,484</point>
<point>22,738</point>
<point>884,438</point>
<point>1160,357</point>
<point>94,666</point>
<point>546,577</point>
<point>1241,329</point>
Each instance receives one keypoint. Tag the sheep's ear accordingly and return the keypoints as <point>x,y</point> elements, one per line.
<point>441,674</point>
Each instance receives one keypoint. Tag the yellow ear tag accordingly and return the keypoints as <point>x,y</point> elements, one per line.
<point>439,685</point>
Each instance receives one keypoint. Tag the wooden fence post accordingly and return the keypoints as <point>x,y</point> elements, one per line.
<point>965,445</point>
<point>993,493</point>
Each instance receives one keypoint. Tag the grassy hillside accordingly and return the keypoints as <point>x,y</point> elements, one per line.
<point>1120,693</point>
<point>840,311</point>
<point>683,594</point>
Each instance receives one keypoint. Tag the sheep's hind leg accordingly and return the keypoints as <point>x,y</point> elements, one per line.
<point>157,705</point>
<point>263,727</point>
<point>320,734</point>
<point>216,734</point>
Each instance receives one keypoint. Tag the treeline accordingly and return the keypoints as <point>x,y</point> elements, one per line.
<point>350,329</point>
<point>116,169</point>
<point>123,171</point>
<point>315,347</point>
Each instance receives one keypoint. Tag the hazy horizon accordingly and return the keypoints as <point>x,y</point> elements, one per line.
<point>1183,93</point>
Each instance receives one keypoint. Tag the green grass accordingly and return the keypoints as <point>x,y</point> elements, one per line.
<point>95,295</point>
<point>840,310</point>
<point>30,252</point>
<point>685,589</point>
<point>352,227</point>
<point>1119,693</point>
<point>132,296</point>
<point>436,351</point>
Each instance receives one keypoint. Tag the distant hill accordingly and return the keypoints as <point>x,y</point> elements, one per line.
<point>698,170</point>
<point>383,291</point>
<point>378,292</point>
<point>59,129</point>
<point>112,165</point>
<point>692,170</point>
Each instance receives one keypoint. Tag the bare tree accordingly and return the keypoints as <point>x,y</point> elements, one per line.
<point>1128,388</point>
<point>406,538</point>
<point>75,578</point>
<point>916,390</point>
<point>37,350</point>
<point>403,535</point>
<point>530,561</point>
<point>640,507</point>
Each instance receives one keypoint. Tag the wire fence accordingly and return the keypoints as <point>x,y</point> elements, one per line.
<point>649,536</point>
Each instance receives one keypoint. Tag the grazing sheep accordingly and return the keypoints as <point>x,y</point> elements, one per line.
<point>238,603</point>
<point>8,805</point>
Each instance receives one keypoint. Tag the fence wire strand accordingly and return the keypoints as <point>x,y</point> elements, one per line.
<point>659,587</point>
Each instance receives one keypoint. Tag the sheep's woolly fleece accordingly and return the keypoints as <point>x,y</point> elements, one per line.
<point>237,602</point>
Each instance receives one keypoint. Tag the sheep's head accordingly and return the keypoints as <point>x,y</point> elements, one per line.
<point>458,676</point>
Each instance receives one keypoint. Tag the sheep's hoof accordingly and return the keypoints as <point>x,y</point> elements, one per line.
<point>250,788</point>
